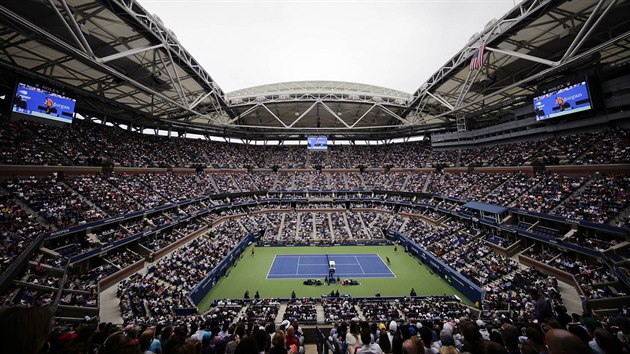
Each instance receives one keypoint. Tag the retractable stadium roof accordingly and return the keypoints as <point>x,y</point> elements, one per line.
<point>123,63</point>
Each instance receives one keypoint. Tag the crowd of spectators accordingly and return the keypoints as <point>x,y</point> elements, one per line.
<point>20,145</point>
<point>549,192</point>
<point>205,334</point>
<point>97,189</point>
<point>303,310</point>
<point>433,308</point>
<point>64,201</point>
<point>603,198</point>
<point>167,283</point>
<point>54,200</point>
<point>67,201</point>
<point>261,311</point>
<point>85,142</point>
<point>17,229</point>
<point>516,295</point>
<point>379,310</point>
<point>338,309</point>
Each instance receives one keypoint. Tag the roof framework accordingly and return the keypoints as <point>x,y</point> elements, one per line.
<point>127,66</point>
<point>537,40</point>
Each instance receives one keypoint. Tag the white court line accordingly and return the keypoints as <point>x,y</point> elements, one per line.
<point>272,263</point>
<point>388,268</point>
<point>359,263</point>
<point>302,255</point>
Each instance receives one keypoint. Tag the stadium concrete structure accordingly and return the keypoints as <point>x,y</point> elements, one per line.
<point>492,195</point>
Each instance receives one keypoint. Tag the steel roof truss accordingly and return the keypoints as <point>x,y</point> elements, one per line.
<point>543,72</point>
<point>274,115</point>
<point>363,116</point>
<point>587,29</point>
<point>394,115</point>
<point>441,100</point>
<point>75,26</point>
<point>334,114</point>
<point>303,114</point>
<point>150,24</point>
<point>522,56</point>
<point>500,27</point>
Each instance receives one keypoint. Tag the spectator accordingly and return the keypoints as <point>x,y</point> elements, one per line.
<point>559,341</point>
<point>25,330</point>
<point>368,347</point>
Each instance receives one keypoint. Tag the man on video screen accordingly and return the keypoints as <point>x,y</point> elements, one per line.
<point>49,105</point>
<point>562,104</point>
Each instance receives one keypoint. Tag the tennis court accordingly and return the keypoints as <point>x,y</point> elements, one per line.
<point>302,266</point>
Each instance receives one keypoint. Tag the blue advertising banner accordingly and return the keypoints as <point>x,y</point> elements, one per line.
<point>201,290</point>
<point>453,277</point>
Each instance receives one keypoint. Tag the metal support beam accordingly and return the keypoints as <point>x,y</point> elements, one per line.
<point>539,74</point>
<point>584,29</point>
<point>460,119</point>
<point>335,115</point>
<point>388,111</point>
<point>303,114</point>
<point>509,21</point>
<point>75,25</point>
<point>248,111</point>
<point>127,53</point>
<point>89,60</point>
<point>171,44</point>
<point>363,115</point>
<point>590,31</point>
<point>274,115</point>
<point>199,99</point>
<point>441,100</point>
<point>65,23</point>
<point>523,56</point>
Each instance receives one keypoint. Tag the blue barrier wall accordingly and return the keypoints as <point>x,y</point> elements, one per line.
<point>453,277</point>
<point>201,290</point>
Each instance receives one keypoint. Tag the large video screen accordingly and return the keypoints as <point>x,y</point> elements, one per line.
<point>39,102</point>
<point>317,143</point>
<point>571,99</point>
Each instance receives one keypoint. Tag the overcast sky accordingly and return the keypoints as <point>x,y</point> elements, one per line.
<point>395,44</point>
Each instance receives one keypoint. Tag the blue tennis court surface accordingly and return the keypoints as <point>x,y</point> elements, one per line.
<point>292,266</point>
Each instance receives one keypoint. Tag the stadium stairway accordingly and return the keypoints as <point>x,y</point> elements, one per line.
<point>109,306</point>
<point>80,196</point>
<point>621,216</point>
<point>428,182</point>
<point>575,194</point>
<point>214,184</point>
<point>346,226</point>
<point>280,316</point>
<point>365,228</point>
<point>359,312</point>
<point>27,209</point>
<point>321,317</point>
<point>330,227</point>
<point>570,297</point>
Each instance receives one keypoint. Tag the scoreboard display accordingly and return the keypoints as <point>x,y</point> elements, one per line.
<point>571,99</point>
<point>317,143</point>
<point>43,103</point>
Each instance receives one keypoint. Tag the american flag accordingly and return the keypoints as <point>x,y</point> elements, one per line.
<point>477,58</point>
